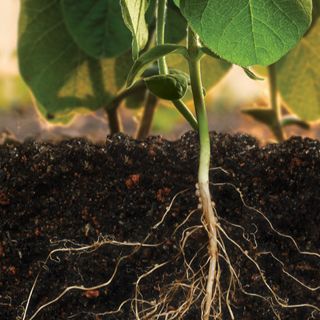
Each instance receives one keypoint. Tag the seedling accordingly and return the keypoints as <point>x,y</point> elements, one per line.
<point>261,46</point>
<point>75,54</point>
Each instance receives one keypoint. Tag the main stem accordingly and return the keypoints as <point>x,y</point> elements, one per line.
<point>277,129</point>
<point>161,27</point>
<point>204,166</point>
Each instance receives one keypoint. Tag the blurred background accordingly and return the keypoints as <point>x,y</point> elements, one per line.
<point>19,118</point>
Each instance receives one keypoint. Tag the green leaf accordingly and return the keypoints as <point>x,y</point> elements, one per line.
<point>133,12</point>
<point>248,32</point>
<point>61,76</point>
<point>96,26</point>
<point>151,55</point>
<point>168,87</point>
<point>299,76</point>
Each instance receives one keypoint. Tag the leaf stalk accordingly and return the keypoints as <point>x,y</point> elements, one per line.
<point>275,105</point>
<point>161,25</point>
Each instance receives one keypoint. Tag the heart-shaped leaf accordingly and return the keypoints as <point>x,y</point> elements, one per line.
<point>97,26</point>
<point>248,32</point>
<point>61,76</point>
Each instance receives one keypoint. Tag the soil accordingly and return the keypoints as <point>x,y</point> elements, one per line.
<point>75,192</point>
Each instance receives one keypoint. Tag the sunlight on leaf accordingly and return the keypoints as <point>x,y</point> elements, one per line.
<point>248,32</point>
<point>133,12</point>
<point>61,76</point>
<point>97,26</point>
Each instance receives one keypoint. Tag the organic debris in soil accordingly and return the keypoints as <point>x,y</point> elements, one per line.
<point>74,193</point>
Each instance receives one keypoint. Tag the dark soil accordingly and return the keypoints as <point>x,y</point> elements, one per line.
<point>75,192</point>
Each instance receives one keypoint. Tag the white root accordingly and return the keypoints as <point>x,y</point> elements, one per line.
<point>211,223</point>
<point>78,248</point>
<point>199,282</point>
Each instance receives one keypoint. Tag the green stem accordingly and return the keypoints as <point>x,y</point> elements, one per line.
<point>148,113</point>
<point>161,27</point>
<point>186,113</point>
<point>275,105</point>
<point>115,124</point>
<point>163,68</point>
<point>199,102</point>
<point>208,210</point>
<point>112,108</point>
<point>96,77</point>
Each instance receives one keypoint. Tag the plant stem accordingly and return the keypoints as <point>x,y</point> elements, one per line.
<point>204,165</point>
<point>186,113</point>
<point>112,108</point>
<point>163,68</point>
<point>276,128</point>
<point>161,27</point>
<point>115,124</point>
<point>148,113</point>
<point>96,77</point>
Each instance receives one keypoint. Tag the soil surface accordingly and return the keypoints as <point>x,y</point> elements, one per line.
<point>71,194</point>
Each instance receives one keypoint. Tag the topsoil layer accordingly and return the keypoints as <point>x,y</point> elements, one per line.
<point>74,193</point>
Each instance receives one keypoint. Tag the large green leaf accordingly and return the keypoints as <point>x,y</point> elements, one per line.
<point>299,76</point>
<point>61,76</point>
<point>133,12</point>
<point>248,32</point>
<point>97,26</point>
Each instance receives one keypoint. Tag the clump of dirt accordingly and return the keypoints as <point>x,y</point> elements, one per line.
<point>74,193</point>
